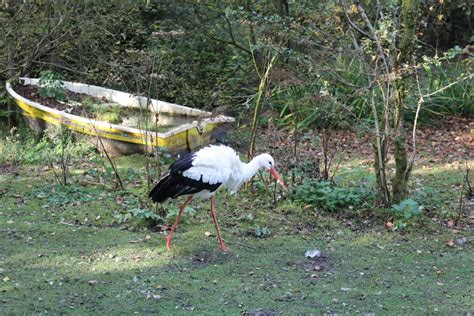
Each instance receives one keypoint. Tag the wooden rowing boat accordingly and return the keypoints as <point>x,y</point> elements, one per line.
<point>194,132</point>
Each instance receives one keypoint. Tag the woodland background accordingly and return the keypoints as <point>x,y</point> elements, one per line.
<point>366,106</point>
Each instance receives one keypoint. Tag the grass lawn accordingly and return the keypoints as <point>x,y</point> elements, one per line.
<point>60,252</point>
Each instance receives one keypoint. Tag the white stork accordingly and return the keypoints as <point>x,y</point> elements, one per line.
<point>200,174</point>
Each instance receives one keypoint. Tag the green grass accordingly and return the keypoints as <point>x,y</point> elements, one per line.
<point>61,252</point>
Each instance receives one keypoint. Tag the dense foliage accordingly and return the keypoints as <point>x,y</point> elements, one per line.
<point>209,54</point>
<point>375,67</point>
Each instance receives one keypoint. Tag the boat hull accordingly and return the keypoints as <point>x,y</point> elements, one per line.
<point>117,139</point>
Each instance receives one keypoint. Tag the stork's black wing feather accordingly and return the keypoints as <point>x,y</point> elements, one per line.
<point>175,184</point>
<point>183,163</point>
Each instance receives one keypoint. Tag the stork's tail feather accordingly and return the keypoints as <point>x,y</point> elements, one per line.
<point>163,190</point>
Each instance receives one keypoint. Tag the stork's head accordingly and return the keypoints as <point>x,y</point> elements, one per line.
<point>265,161</point>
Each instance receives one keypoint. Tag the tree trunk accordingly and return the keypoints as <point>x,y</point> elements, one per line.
<point>402,172</point>
<point>402,169</point>
<point>379,146</point>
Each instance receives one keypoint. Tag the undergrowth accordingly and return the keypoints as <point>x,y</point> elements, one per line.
<point>331,197</point>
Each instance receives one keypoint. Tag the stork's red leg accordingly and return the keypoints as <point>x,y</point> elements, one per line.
<point>170,235</point>
<point>214,218</point>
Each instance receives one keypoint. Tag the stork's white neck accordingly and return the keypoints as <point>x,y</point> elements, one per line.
<point>250,169</point>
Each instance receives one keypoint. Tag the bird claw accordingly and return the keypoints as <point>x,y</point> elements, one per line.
<point>223,247</point>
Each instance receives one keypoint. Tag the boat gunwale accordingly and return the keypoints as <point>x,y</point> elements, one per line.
<point>96,124</point>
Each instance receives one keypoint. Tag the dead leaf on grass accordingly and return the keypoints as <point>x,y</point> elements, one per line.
<point>449,242</point>
<point>389,225</point>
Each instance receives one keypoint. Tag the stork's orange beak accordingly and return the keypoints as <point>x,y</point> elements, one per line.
<point>277,177</point>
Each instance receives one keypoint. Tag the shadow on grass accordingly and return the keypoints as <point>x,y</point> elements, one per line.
<point>81,270</point>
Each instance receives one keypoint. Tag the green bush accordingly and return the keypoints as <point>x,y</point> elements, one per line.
<point>51,85</point>
<point>261,232</point>
<point>405,213</point>
<point>144,214</point>
<point>173,212</point>
<point>20,146</point>
<point>447,97</point>
<point>329,197</point>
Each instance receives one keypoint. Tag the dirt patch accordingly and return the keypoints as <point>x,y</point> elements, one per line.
<point>31,92</point>
<point>204,258</point>
<point>313,267</point>
<point>445,141</point>
<point>104,110</point>
<point>9,169</point>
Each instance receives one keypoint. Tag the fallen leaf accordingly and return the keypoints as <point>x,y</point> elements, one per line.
<point>389,225</point>
<point>118,200</point>
<point>449,243</point>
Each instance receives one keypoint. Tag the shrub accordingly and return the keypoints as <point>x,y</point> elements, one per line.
<point>173,212</point>
<point>51,85</point>
<point>260,232</point>
<point>405,213</point>
<point>144,214</point>
<point>327,196</point>
<point>20,146</point>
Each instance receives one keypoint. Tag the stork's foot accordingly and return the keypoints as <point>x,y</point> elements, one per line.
<point>168,241</point>
<point>223,247</point>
